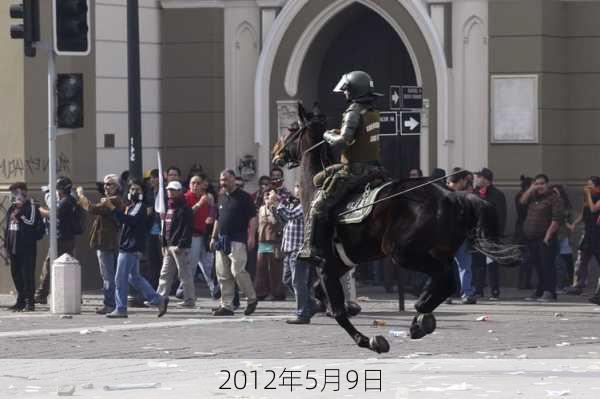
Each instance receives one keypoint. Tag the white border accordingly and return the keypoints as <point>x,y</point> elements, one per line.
<point>535,109</point>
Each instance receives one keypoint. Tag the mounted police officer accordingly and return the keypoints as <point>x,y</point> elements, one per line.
<point>359,140</point>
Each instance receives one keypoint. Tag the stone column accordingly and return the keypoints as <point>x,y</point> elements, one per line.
<point>242,46</point>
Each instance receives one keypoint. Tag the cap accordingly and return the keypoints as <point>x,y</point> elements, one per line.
<point>174,185</point>
<point>485,172</point>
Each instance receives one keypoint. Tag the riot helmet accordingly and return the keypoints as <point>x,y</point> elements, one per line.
<point>358,84</point>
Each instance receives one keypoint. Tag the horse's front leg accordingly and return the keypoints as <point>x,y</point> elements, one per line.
<point>442,284</point>
<point>335,294</point>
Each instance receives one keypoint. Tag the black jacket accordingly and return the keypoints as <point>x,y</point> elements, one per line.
<point>182,227</point>
<point>30,229</point>
<point>496,198</point>
<point>133,231</point>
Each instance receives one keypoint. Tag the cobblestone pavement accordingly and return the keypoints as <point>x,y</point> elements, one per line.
<point>569,328</point>
<point>521,350</point>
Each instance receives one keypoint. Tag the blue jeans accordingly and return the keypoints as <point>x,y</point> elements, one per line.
<point>286,276</point>
<point>463,260</point>
<point>300,282</point>
<point>128,272</point>
<point>106,260</point>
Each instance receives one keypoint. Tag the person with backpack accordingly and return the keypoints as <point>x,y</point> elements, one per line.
<point>70,222</point>
<point>24,228</point>
<point>104,236</point>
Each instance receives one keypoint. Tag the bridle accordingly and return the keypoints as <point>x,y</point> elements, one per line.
<point>293,157</point>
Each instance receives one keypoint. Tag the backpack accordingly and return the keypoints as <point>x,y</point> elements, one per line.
<point>79,222</point>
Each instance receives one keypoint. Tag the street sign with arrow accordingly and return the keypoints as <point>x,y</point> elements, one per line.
<point>410,123</point>
<point>395,97</point>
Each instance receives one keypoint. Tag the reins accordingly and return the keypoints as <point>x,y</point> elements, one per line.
<point>401,192</point>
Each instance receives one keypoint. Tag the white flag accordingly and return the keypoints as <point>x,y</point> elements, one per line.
<point>159,200</point>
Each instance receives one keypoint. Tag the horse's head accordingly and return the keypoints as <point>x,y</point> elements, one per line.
<point>287,151</point>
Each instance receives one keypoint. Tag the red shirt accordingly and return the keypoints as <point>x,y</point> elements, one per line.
<point>200,214</point>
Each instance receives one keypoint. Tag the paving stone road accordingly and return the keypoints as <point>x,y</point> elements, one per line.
<point>515,331</point>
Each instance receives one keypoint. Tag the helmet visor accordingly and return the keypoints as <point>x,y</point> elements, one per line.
<point>342,85</point>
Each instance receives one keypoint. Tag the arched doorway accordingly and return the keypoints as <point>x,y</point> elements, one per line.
<point>292,40</point>
<point>360,39</point>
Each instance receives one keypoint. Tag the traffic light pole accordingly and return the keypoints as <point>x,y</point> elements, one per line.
<point>134,96</point>
<point>52,151</point>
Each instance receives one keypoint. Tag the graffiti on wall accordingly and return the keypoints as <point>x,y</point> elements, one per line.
<point>17,167</point>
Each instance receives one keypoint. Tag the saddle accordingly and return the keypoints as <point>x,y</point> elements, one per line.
<point>361,203</point>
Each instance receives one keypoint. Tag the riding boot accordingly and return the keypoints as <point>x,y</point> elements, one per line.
<point>314,238</point>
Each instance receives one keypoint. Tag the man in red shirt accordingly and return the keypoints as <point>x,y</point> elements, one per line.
<point>203,207</point>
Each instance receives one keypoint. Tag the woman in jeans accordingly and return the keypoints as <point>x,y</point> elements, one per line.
<point>132,245</point>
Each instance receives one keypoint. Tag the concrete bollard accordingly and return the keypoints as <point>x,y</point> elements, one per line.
<point>66,285</point>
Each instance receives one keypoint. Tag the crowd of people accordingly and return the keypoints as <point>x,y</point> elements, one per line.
<point>235,241</point>
<point>545,226</point>
<point>248,243</point>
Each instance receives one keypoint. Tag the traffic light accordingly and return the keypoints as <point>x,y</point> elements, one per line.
<point>71,27</point>
<point>69,95</point>
<point>29,30</point>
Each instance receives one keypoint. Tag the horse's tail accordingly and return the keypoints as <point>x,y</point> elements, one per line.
<point>485,235</point>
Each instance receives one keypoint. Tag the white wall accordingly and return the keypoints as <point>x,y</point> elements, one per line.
<point>470,83</point>
<point>111,83</point>
<point>242,46</point>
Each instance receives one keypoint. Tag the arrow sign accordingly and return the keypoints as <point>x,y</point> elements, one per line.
<point>410,123</point>
<point>395,97</point>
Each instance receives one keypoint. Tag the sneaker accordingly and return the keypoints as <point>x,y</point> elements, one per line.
<point>115,314</point>
<point>573,291</point>
<point>41,299</point>
<point>186,304</point>
<point>595,300</point>
<point>494,298</point>
<point>17,307</point>
<point>448,301</point>
<point>104,310</point>
<point>30,307</point>
<point>468,300</point>
<point>547,296</point>
<point>250,308</point>
<point>221,311</point>
<point>533,297</point>
<point>298,320</point>
<point>162,306</point>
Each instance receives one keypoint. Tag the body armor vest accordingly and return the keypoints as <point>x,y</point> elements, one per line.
<point>366,140</point>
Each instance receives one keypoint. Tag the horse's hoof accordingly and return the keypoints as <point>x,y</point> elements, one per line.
<point>427,322</point>
<point>379,344</point>
<point>353,309</point>
<point>416,332</point>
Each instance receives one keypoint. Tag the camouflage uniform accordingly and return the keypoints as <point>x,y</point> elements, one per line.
<point>359,136</point>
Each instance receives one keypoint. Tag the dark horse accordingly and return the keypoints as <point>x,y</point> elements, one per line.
<point>421,230</point>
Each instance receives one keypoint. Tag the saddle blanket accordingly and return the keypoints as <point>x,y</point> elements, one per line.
<point>358,201</point>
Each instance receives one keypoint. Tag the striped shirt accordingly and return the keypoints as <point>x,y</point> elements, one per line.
<point>293,230</point>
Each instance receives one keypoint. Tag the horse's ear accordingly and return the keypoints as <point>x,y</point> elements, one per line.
<point>301,113</point>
